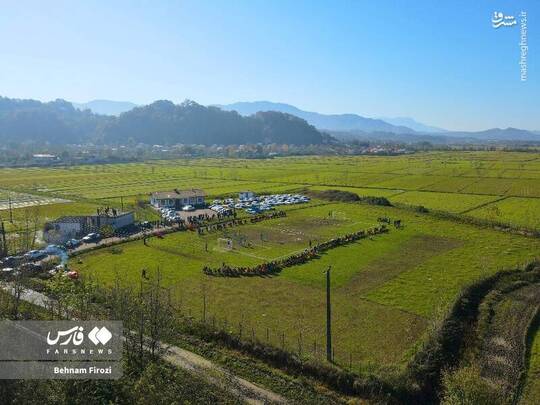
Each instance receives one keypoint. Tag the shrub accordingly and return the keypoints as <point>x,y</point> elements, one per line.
<point>116,250</point>
<point>334,195</point>
<point>382,201</point>
<point>467,387</point>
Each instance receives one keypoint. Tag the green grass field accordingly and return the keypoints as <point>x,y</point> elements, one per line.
<point>386,291</point>
<point>446,181</point>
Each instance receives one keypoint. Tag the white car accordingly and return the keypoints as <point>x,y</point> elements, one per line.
<point>188,208</point>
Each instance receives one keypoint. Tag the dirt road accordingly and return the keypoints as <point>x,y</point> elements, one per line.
<point>244,390</point>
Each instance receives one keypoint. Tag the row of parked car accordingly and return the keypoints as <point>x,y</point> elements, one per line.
<point>172,215</point>
<point>29,262</point>
<point>255,205</point>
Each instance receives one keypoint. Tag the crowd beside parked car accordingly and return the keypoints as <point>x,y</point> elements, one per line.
<point>32,262</point>
<point>171,216</point>
<point>257,204</point>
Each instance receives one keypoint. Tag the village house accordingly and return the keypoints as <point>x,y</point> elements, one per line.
<point>69,227</point>
<point>178,199</point>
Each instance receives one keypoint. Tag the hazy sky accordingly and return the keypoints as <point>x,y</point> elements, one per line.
<point>440,62</point>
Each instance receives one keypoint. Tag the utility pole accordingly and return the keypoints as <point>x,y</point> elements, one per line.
<point>328,318</point>
<point>10,207</point>
<point>4,250</point>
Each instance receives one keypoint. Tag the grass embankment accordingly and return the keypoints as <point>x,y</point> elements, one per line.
<point>483,344</point>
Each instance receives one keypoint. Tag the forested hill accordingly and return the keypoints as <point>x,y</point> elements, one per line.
<point>166,123</point>
<point>55,122</point>
<point>161,122</point>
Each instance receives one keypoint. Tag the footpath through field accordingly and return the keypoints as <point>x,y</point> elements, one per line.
<point>184,359</point>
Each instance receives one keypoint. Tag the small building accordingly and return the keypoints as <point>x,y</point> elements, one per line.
<point>69,227</point>
<point>177,199</point>
<point>44,158</point>
<point>246,195</point>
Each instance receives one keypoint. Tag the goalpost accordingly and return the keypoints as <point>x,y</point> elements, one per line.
<point>339,215</point>
<point>225,243</point>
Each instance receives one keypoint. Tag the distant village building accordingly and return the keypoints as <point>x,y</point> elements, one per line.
<point>44,158</point>
<point>178,199</point>
<point>246,195</point>
<point>69,227</point>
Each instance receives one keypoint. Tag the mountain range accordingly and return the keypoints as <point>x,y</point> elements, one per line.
<point>333,122</point>
<point>164,122</point>
<point>161,122</point>
<point>401,129</point>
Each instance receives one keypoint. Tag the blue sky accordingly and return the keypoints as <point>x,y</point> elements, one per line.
<point>438,61</point>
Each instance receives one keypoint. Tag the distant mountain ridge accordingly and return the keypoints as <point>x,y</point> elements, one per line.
<point>334,122</point>
<point>161,122</point>
<point>400,129</point>
<point>499,134</point>
<point>164,122</point>
<point>167,123</point>
<point>106,107</point>
<point>413,124</point>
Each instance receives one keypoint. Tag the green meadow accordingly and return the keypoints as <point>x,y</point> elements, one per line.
<point>386,290</point>
<point>500,186</point>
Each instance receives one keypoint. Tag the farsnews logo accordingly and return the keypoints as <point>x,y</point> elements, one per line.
<point>76,337</point>
<point>100,335</point>
<point>500,20</point>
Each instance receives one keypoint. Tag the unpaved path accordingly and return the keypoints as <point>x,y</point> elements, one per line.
<point>184,359</point>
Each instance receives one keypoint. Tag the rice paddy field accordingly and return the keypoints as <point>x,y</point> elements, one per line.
<point>499,186</point>
<point>386,290</point>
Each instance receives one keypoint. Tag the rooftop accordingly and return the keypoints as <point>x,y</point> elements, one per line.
<point>82,218</point>
<point>193,192</point>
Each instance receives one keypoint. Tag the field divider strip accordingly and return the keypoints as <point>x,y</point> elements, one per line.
<point>483,205</point>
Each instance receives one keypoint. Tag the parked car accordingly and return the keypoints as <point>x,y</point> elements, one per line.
<point>145,225</point>
<point>91,238</point>
<point>12,261</point>
<point>35,255</point>
<point>188,208</point>
<point>73,243</point>
<point>6,272</point>
<point>31,268</point>
<point>53,249</point>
